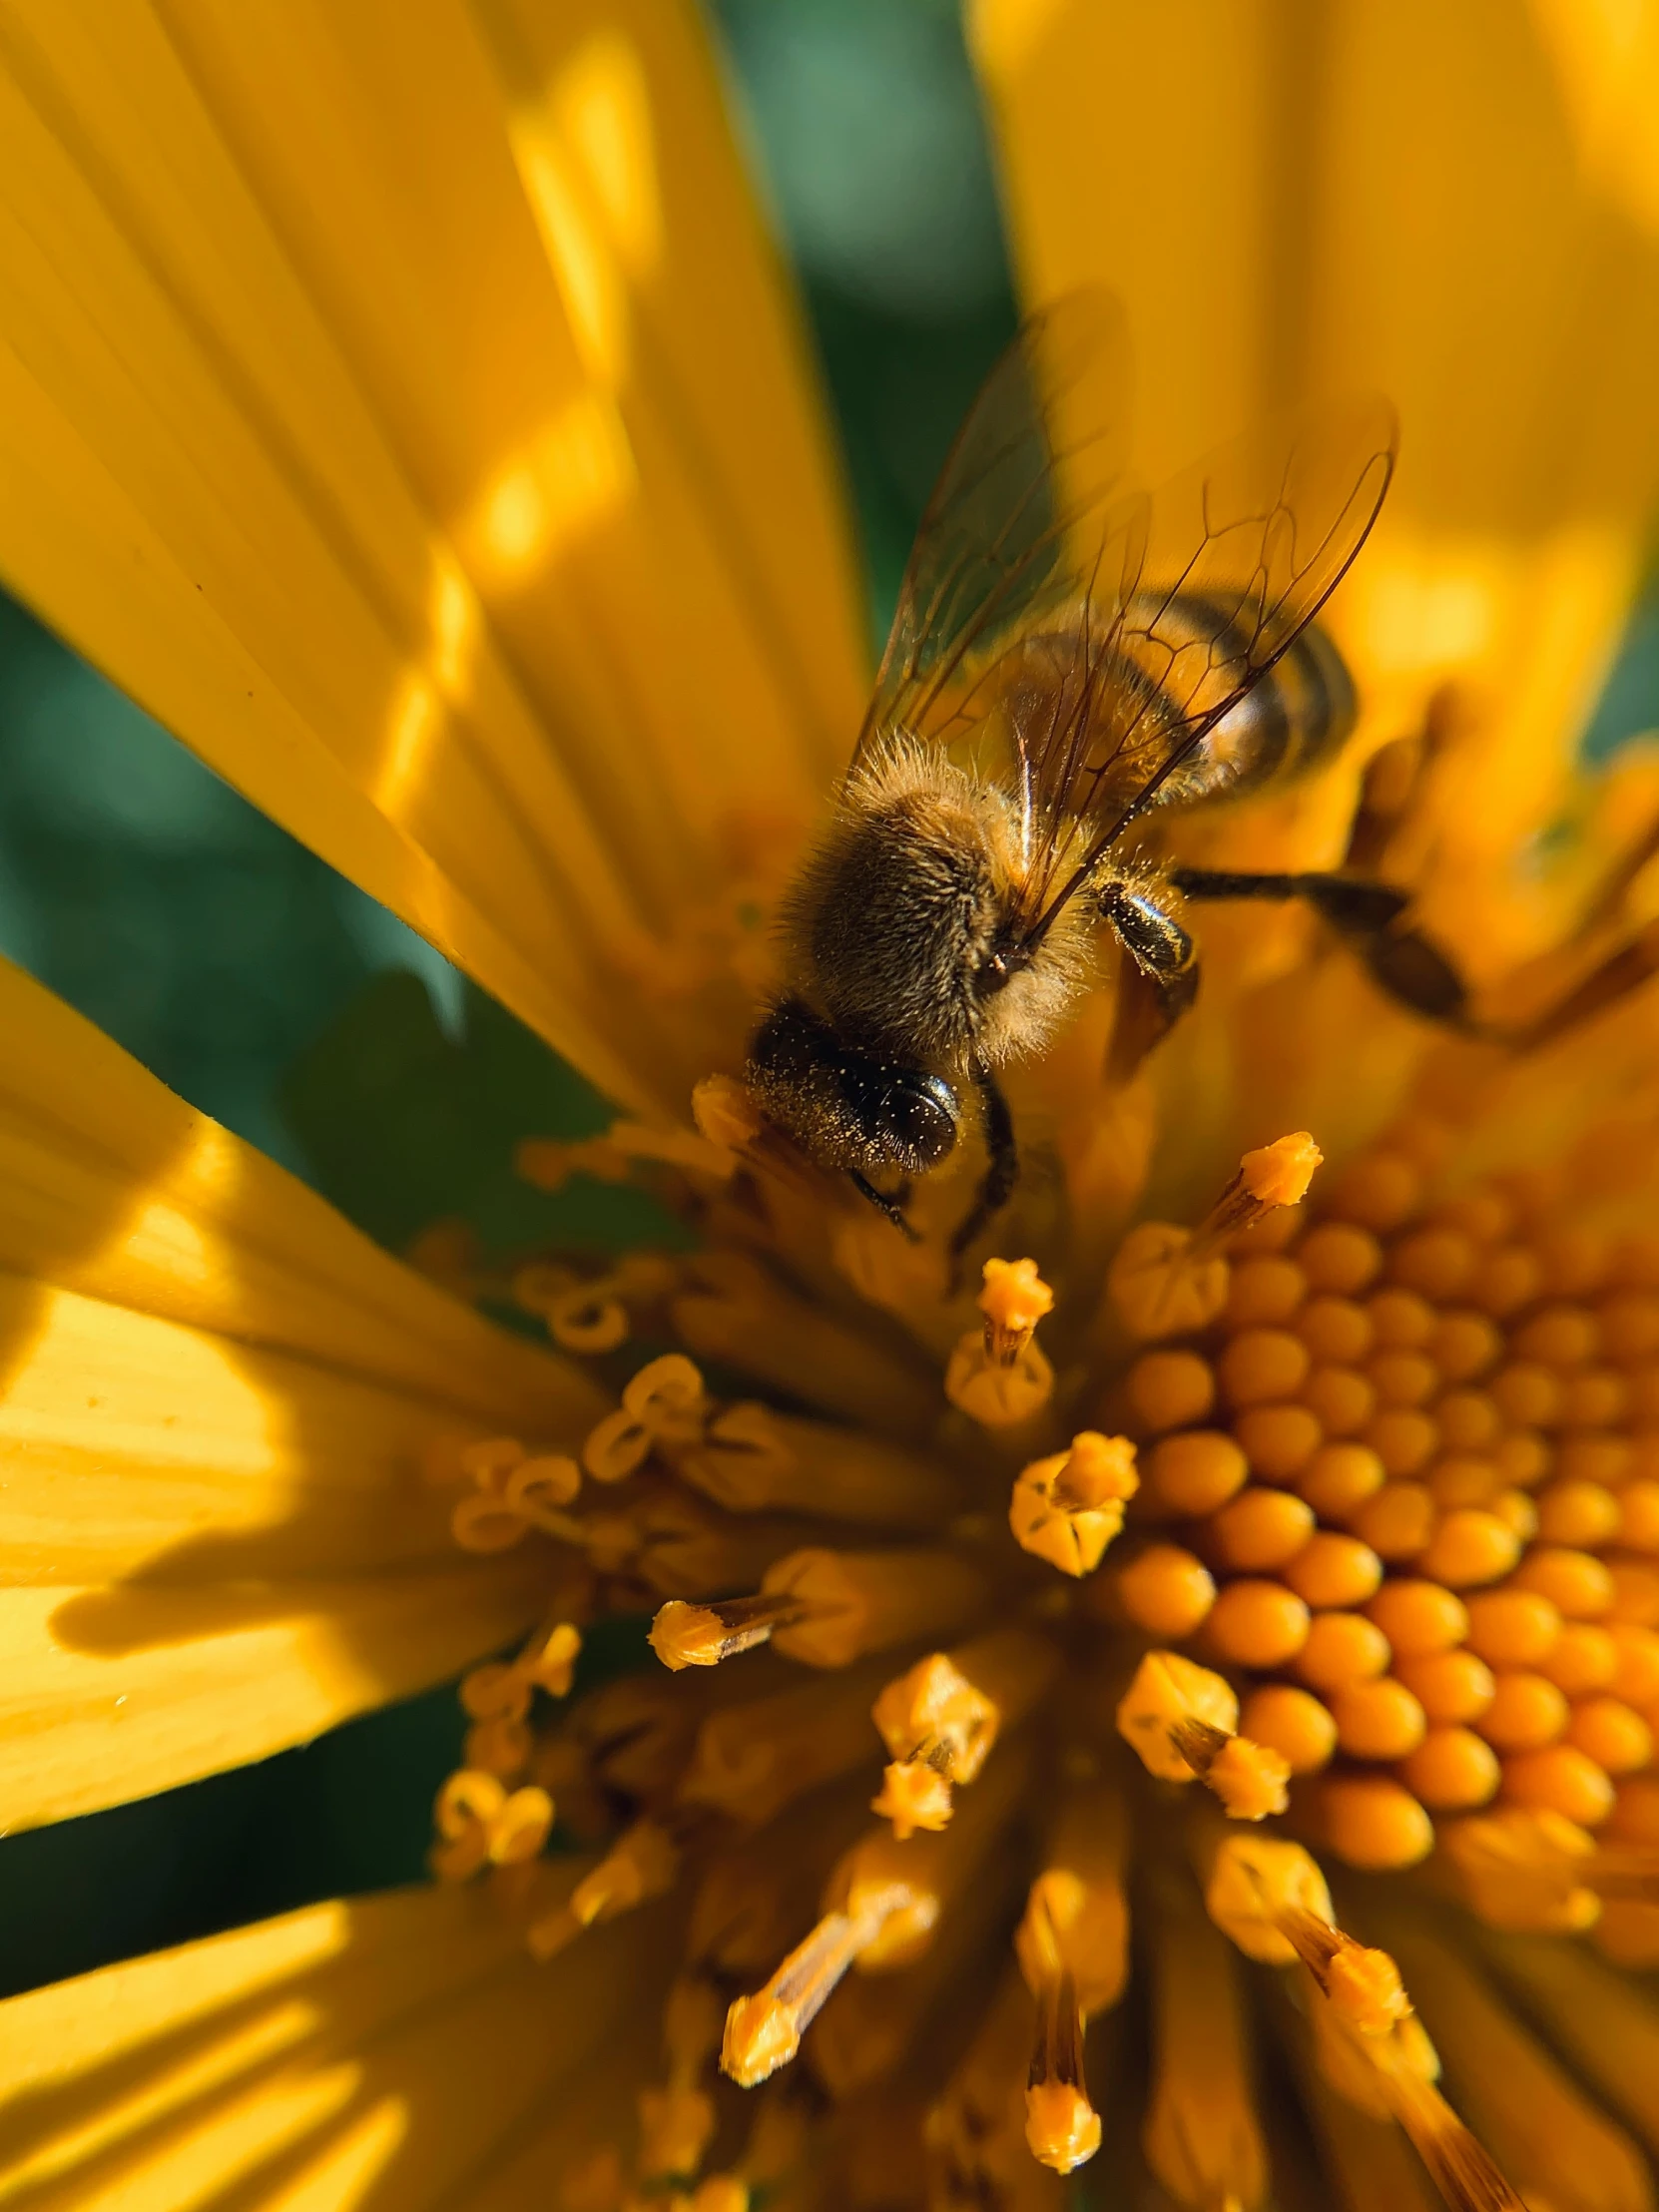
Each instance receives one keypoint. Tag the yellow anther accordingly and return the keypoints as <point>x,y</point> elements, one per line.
<point>914,1794</point>
<point>1067,1508</point>
<point>1169,1702</point>
<point>1279,1174</point>
<point>1015,1298</point>
<point>683,1635</point>
<point>642,1865</point>
<point>664,1404</point>
<point>763,2032</point>
<point>1249,1779</point>
<point>1062,2128</point>
<point>1072,1948</point>
<point>940,1718</point>
<point>900,1885</point>
<point>481,1823</point>
<point>936,1713</point>
<point>1269,1177</point>
<point>1256,1885</point>
<point>596,1317</point>
<point>1364,1987</point>
<point>1160,1285</point>
<point>998,1376</point>
<point>1525,1870</point>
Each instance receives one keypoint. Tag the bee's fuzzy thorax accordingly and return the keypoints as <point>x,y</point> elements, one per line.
<point>897,916</point>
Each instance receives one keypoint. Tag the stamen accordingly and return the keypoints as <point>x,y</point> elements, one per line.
<point>1565,2152</point>
<point>940,1721</point>
<point>883,1907</point>
<point>1181,1720</point>
<point>1061,2126</point>
<point>763,2032</point>
<point>1256,1885</point>
<point>1067,1508</point>
<point>998,1375</point>
<point>1168,1282</point>
<point>685,1635</point>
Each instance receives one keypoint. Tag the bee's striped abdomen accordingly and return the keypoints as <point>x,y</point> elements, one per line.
<point>1294,718</point>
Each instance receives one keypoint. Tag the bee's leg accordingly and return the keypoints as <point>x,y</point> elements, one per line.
<point>1001,1170</point>
<point>1369,917</point>
<point>1157,989</point>
<point>893,1207</point>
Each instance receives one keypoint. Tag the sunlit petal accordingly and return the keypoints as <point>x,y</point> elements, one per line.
<point>1452,205</point>
<point>217,1532</point>
<point>401,404</point>
<point>391,2048</point>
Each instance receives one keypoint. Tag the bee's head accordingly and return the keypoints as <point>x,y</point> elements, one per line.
<point>848,1109</point>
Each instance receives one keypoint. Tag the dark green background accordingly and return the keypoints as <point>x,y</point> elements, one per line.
<point>275,996</point>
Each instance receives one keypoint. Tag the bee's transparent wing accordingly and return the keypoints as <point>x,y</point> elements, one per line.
<point>1210,587</point>
<point>1003,544</point>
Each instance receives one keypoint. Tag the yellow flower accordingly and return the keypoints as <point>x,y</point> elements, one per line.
<point>401,404</point>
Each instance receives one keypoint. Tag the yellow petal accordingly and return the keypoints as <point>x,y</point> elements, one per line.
<point>1461,207</point>
<point>1135,148</point>
<point>217,1535</point>
<point>402,2045</point>
<point>401,404</point>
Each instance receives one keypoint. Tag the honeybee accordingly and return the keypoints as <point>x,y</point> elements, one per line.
<point>1070,660</point>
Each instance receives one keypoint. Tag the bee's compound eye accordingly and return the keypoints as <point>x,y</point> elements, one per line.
<point>921,1119</point>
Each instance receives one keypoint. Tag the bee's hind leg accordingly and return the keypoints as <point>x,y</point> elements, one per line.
<point>1369,916</point>
<point>1001,1170</point>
